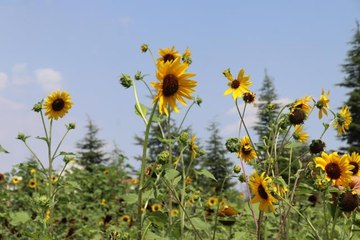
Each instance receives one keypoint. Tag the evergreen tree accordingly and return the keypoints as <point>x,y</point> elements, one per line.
<point>267,110</point>
<point>351,68</point>
<point>216,162</point>
<point>91,147</point>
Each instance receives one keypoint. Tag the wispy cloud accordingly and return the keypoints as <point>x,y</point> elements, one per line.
<point>7,104</point>
<point>48,78</point>
<point>20,75</point>
<point>3,80</point>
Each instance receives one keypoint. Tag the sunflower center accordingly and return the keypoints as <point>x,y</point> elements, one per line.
<point>235,84</point>
<point>58,105</point>
<point>263,194</point>
<point>169,58</point>
<point>333,170</point>
<point>246,149</point>
<point>125,219</point>
<point>170,85</point>
<point>355,170</point>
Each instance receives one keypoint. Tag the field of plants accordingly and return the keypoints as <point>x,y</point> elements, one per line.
<point>296,189</point>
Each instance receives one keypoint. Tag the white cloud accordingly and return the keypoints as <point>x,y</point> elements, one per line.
<point>3,80</point>
<point>7,104</point>
<point>19,74</point>
<point>48,78</point>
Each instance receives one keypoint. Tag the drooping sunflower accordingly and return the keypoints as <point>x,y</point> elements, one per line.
<point>125,218</point>
<point>337,169</point>
<point>239,85</point>
<point>168,55</point>
<point>156,207</point>
<point>259,187</point>
<point>299,134</point>
<point>342,120</point>
<point>354,159</point>
<point>57,104</point>
<point>323,103</point>
<point>193,147</point>
<point>303,103</point>
<point>249,97</point>
<point>174,84</point>
<point>212,201</point>
<point>246,151</point>
<point>32,183</point>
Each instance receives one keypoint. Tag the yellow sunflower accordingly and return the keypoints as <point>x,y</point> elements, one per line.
<point>342,120</point>
<point>337,169</point>
<point>303,104</point>
<point>174,84</point>
<point>354,159</point>
<point>168,55</point>
<point>299,134</point>
<point>246,152</point>
<point>239,85</point>
<point>193,147</point>
<point>156,207</point>
<point>103,202</point>
<point>32,183</point>
<point>125,218</point>
<point>323,103</point>
<point>259,187</point>
<point>174,212</point>
<point>57,104</point>
<point>15,180</point>
<point>249,97</point>
<point>212,201</point>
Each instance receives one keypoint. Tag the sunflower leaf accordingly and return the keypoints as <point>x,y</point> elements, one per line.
<point>171,174</point>
<point>130,198</point>
<point>19,218</point>
<point>3,150</point>
<point>206,173</point>
<point>141,110</point>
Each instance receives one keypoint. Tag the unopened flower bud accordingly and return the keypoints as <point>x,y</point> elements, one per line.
<point>163,157</point>
<point>125,80</point>
<point>37,107</point>
<point>139,76</point>
<point>71,126</point>
<point>237,168</point>
<point>22,137</point>
<point>242,178</point>
<point>232,145</point>
<point>184,138</point>
<point>144,47</point>
<point>198,101</point>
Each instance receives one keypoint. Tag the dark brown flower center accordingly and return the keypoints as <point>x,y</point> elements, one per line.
<point>246,149</point>
<point>169,57</point>
<point>355,170</point>
<point>297,116</point>
<point>170,85</point>
<point>263,194</point>
<point>58,105</point>
<point>235,84</point>
<point>125,219</point>
<point>348,202</point>
<point>333,170</point>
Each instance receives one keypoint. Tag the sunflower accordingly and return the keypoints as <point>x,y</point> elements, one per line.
<point>193,147</point>
<point>33,171</point>
<point>342,120</point>
<point>174,84</point>
<point>103,202</point>
<point>246,151</point>
<point>239,85</point>
<point>259,187</point>
<point>125,218</point>
<point>32,183</point>
<point>15,180</point>
<point>323,103</point>
<point>249,97</point>
<point>54,179</point>
<point>156,207</point>
<point>174,212</point>
<point>299,134</point>
<point>338,170</point>
<point>354,159</point>
<point>168,55</point>
<point>212,201</point>
<point>303,104</point>
<point>57,104</point>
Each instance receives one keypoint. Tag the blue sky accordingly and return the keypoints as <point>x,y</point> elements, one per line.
<point>84,46</point>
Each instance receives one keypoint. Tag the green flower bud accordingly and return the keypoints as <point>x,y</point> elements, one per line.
<point>198,101</point>
<point>138,76</point>
<point>184,138</point>
<point>71,126</point>
<point>68,158</point>
<point>242,178</point>
<point>233,145</point>
<point>144,47</point>
<point>201,152</point>
<point>22,137</point>
<point>163,157</point>
<point>125,80</point>
<point>37,107</point>
<point>237,168</point>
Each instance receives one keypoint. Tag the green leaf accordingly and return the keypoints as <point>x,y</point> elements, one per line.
<point>158,218</point>
<point>176,180</point>
<point>19,218</point>
<point>148,194</point>
<point>206,173</point>
<point>130,198</point>
<point>139,109</point>
<point>3,150</point>
<point>42,138</point>
<point>170,174</point>
<point>199,224</point>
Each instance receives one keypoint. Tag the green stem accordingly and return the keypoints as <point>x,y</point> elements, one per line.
<point>186,113</point>
<point>50,169</point>
<point>334,221</point>
<point>138,106</point>
<point>242,120</point>
<point>142,173</point>
<point>58,146</point>
<point>217,209</point>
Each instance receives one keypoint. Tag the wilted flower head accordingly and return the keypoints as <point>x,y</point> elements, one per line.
<point>317,146</point>
<point>144,47</point>
<point>323,103</point>
<point>249,97</point>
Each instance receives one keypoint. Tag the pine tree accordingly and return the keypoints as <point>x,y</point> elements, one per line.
<point>91,147</point>
<point>216,162</point>
<point>267,109</point>
<point>351,68</point>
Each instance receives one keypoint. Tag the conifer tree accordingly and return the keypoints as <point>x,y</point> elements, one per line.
<point>351,68</point>
<point>216,162</point>
<point>90,147</point>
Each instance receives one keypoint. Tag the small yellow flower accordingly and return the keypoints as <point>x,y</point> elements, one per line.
<point>16,179</point>
<point>33,171</point>
<point>246,152</point>
<point>57,104</point>
<point>32,183</point>
<point>188,180</point>
<point>103,202</point>
<point>239,85</point>
<point>125,218</point>
<point>168,55</point>
<point>193,147</point>
<point>134,180</point>
<point>299,134</point>
<point>47,215</point>
<point>174,212</point>
<point>280,189</point>
<point>343,120</point>
<point>323,103</point>
<point>54,179</point>
<point>156,207</point>
<point>212,201</point>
